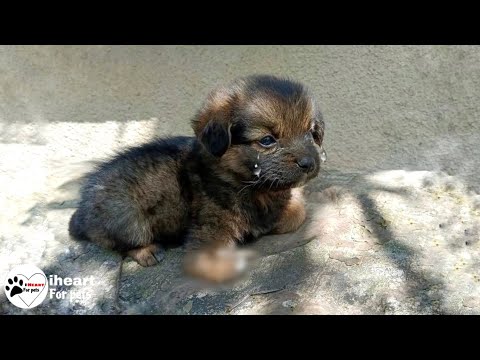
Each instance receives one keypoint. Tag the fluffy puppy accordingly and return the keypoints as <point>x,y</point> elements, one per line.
<point>256,143</point>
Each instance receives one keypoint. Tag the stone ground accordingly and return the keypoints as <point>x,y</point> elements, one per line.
<point>386,242</point>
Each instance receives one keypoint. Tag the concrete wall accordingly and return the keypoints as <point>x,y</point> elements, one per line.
<point>386,107</point>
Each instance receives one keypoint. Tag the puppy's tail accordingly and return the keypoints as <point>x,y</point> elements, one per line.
<point>75,227</point>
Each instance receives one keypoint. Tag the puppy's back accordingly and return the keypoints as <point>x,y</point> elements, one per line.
<point>126,198</point>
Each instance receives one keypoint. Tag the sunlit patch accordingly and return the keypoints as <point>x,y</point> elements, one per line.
<point>399,178</point>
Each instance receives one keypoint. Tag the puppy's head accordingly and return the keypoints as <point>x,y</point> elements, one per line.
<point>263,130</point>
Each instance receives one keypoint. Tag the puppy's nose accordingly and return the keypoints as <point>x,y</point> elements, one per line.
<point>307,163</point>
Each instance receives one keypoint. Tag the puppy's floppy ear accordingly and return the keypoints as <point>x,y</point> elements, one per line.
<point>216,137</point>
<point>213,121</point>
<point>318,128</point>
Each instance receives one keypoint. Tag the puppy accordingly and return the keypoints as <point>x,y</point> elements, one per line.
<point>239,177</point>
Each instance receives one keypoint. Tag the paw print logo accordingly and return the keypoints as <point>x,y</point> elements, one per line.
<point>26,286</point>
<point>15,286</point>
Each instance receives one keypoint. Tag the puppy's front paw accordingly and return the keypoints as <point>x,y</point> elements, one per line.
<point>217,266</point>
<point>148,255</point>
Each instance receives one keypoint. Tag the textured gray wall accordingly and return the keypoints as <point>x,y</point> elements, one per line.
<point>386,107</point>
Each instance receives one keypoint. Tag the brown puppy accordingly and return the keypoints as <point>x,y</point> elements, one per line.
<point>255,144</point>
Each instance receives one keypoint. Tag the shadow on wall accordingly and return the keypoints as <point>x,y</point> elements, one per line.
<point>90,84</point>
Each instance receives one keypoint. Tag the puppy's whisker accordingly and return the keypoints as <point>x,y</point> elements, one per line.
<point>273,182</point>
<point>278,183</point>
<point>264,181</point>
<point>250,183</point>
<point>243,188</point>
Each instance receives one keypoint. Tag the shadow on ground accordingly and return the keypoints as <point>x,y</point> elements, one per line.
<point>372,244</point>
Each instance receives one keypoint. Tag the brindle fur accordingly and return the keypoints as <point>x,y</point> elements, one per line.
<point>203,189</point>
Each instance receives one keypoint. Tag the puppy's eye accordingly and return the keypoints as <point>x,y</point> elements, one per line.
<point>267,141</point>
